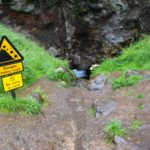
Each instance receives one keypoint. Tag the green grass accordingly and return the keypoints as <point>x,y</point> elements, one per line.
<point>136,124</point>
<point>135,57</point>
<point>37,62</point>
<point>20,105</point>
<point>114,128</point>
<point>125,82</point>
<point>141,96</point>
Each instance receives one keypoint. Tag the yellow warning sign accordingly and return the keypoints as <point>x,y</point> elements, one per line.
<point>12,82</point>
<point>12,68</point>
<point>8,52</point>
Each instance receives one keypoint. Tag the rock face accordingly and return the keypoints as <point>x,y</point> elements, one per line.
<point>89,30</point>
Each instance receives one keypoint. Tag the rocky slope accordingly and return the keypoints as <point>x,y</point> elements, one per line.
<point>84,31</point>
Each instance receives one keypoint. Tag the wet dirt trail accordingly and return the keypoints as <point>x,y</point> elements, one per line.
<point>65,124</point>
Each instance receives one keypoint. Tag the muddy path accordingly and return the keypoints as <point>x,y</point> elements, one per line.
<point>65,124</point>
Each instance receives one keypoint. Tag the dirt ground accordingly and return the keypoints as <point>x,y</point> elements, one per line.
<point>65,124</point>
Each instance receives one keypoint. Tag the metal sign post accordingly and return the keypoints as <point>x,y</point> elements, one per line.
<point>13,94</point>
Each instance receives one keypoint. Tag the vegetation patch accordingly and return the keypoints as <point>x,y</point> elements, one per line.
<point>124,82</point>
<point>37,62</point>
<point>141,106</point>
<point>20,105</point>
<point>92,111</point>
<point>135,57</point>
<point>141,96</point>
<point>136,124</point>
<point>114,128</point>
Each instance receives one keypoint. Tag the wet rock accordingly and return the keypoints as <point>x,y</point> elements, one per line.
<point>38,97</point>
<point>144,74</point>
<point>95,87</point>
<point>100,80</point>
<point>119,140</point>
<point>105,108</point>
<point>32,6</point>
<point>98,83</point>
<point>144,18</point>
<point>21,6</point>
<point>53,51</point>
<point>123,145</point>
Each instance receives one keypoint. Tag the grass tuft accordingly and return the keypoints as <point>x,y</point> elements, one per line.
<point>114,128</point>
<point>125,82</point>
<point>141,96</point>
<point>20,105</point>
<point>136,124</point>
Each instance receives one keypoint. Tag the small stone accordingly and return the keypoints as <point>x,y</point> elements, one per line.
<point>101,80</point>
<point>119,140</point>
<point>145,75</point>
<point>98,83</point>
<point>106,108</point>
<point>95,87</point>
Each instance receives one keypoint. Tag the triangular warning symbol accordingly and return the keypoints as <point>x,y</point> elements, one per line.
<point>8,52</point>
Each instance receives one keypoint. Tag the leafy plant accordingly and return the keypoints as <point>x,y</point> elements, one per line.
<point>136,124</point>
<point>124,82</point>
<point>20,105</point>
<point>114,128</point>
<point>141,96</point>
